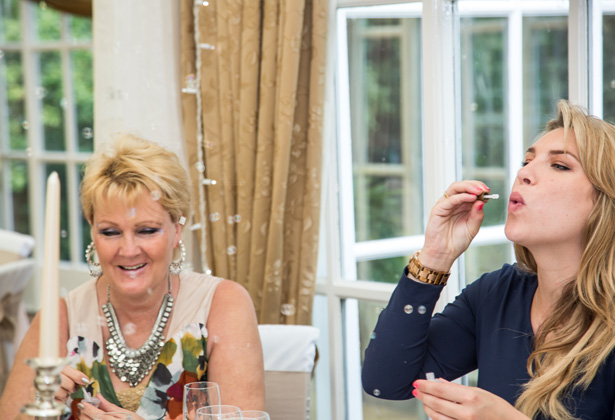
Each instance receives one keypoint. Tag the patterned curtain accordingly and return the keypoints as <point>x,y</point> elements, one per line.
<point>261,93</point>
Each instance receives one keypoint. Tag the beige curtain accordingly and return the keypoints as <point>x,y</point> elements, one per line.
<point>262,91</point>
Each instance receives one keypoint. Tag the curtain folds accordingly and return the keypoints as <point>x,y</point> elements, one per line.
<point>262,83</point>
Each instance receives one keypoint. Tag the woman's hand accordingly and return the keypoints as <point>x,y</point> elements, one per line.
<point>453,223</point>
<point>89,411</point>
<point>71,379</point>
<point>446,400</point>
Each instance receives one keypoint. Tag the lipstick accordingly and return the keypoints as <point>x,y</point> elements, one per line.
<point>486,197</point>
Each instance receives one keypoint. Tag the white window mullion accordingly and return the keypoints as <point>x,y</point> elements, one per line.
<point>595,58</point>
<point>578,52</point>
<point>440,142</point>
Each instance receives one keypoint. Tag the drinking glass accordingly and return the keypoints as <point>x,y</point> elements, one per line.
<point>218,412</point>
<point>197,395</point>
<point>113,415</point>
<point>255,415</point>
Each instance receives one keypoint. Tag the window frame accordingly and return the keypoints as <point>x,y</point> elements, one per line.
<point>36,157</point>
<point>339,372</point>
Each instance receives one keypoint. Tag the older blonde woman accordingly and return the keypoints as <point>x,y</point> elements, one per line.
<point>143,327</point>
<point>542,332</point>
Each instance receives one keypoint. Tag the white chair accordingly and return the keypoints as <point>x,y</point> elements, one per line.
<point>14,323</point>
<point>289,353</point>
<point>14,246</point>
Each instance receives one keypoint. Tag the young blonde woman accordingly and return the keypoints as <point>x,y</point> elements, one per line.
<point>540,332</point>
<point>143,327</point>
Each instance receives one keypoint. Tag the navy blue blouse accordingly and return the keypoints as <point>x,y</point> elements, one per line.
<point>487,328</point>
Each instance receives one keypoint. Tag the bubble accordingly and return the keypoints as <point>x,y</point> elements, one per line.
<point>230,220</point>
<point>612,81</point>
<point>231,250</point>
<point>131,213</point>
<point>237,218</point>
<point>208,271</point>
<point>25,124</point>
<point>101,321</point>
<point>209,145</point>
<point>149,291</point>
<point>82,328</point>
<point>190,81</point>
<point>29,151</point>
<point>422,309</point>
<point>63,233</point>
<point>215,338</point>
<point>1,54</point>
<point>63,291</point>
<point>214,217</point>
<point>200,166</point>
<point>40,92</point>
<point>371,337</point>
<point>155,195</point>
<point>87,133</point>
<point>129,329</point>
<point>408,309</point>
<point>63,102</point>
<point>376,392</point>
<point>132,275</point>
<point>474,107</point>
<point>288,309</point>
<point>43,5</point>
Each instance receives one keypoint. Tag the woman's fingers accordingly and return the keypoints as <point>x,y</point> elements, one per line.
<point>71,379</point>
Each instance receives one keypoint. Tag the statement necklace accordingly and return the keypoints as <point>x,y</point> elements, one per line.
<point>131,365</point>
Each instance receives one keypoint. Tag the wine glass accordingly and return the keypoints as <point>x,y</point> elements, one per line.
<point>255,415</point>
<point>197,395</point>
<point>218,412</point>
<point>113,415</point>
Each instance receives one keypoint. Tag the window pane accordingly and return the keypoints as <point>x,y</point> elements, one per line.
<point>374,408</point>
<point>483,111</point>
<point>545,70</point>
<point>84,100</point>
<point>48,23</point>
<point>385,107</point>
<point>80,28</point>
<point>484,259</point>
<point>11,72</point>
<point>387,270</point>
<point>50,94</point>
<point>10,28</point>
<point>608,67</point>
<point>64,213</point>
<point>18,183</point>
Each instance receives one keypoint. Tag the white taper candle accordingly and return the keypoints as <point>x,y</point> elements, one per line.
<point>50,325</point>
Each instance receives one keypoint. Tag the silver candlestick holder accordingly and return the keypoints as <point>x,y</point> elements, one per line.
<point>47,381</point>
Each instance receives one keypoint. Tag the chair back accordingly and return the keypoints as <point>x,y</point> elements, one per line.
<point>289,352</point>
<point>14,246</point>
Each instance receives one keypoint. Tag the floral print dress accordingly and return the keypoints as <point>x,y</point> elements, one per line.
<point>181,361</point>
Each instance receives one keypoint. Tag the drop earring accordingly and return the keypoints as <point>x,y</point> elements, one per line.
<point>93,266</point>
<point>178,265</point>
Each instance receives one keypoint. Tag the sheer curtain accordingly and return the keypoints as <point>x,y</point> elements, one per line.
<point>254,149</point>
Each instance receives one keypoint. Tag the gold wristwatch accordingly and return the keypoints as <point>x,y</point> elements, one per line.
<point>424,274</point>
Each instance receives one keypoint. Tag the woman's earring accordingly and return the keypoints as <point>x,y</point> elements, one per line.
<point>178,265</point>
<point>94,267</point>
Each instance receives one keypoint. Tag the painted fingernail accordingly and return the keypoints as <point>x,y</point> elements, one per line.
<point>85,380</point>
<point>480,206</point>
<point>415,384</point>
<point>80,406</point>
<point>414,392</point>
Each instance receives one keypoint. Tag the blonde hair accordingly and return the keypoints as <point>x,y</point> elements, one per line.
<point>581,329</point>
<point>131,167</point>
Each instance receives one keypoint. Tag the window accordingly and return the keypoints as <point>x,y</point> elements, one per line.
<point>46,119</point>
<point>509,67</point>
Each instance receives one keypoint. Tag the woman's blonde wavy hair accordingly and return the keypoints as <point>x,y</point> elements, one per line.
<point>581,330</point>
<point>131,167</point>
